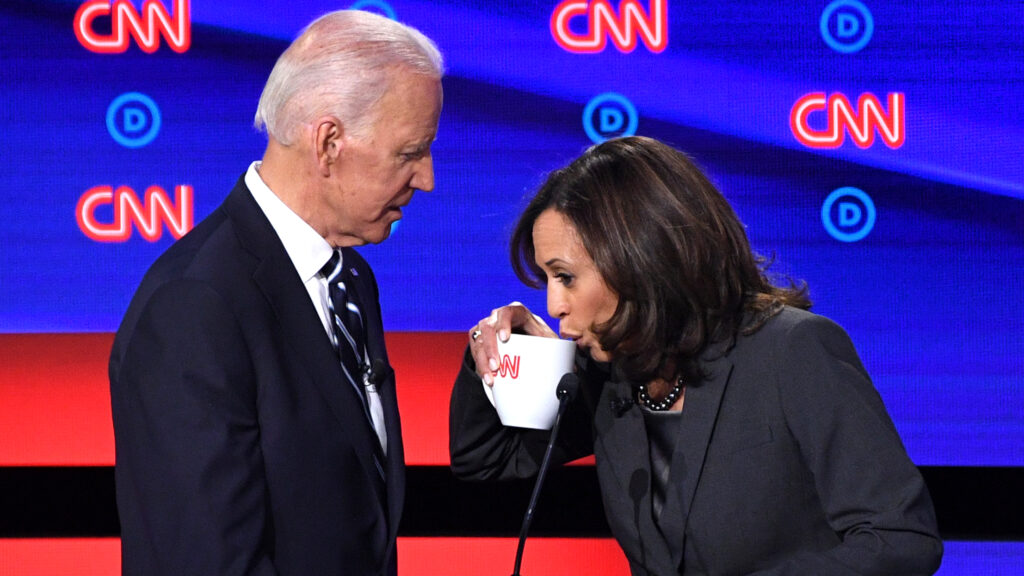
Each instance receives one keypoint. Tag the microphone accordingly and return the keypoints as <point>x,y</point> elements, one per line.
<point>568,386</point>
<point>379,372</point>
<point>620,406</point>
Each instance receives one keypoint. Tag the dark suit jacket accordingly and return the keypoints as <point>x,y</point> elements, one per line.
<point>241,448</point>
<point>786,463</point>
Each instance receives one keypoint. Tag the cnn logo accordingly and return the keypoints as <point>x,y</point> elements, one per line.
<point>624,27</point>
<point>145,28</point>
<point>127,209</point>
<point>841,117</point>
<point>509,367</point>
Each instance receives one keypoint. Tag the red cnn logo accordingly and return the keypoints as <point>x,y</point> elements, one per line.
<point>147,215</point>
<point>861,123</point>
<point>623,28</point>
<point>124,20</point>
<point>509,367</point>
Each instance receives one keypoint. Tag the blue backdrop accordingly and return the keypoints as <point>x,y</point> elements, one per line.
<point>920,254</point>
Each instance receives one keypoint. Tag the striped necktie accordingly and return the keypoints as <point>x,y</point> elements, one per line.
<point>348,320</point>
<point>350,336</point>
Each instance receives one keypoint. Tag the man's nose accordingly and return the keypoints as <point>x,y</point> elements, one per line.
<point>423,179</point>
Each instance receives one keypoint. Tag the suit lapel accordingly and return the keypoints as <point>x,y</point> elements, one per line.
<point>376,348</point>
<point>366,293</point>
<point>700,412</point>
<point>300,326</point>
<point>395,458</point>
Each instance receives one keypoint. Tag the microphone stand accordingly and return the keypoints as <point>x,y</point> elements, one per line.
<point>567,388</point>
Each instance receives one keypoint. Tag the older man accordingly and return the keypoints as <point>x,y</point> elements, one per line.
<point>255,417</point>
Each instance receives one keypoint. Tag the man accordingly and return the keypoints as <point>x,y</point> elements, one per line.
<point>255,417</point>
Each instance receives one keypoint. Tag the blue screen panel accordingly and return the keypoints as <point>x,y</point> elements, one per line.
<point>874,150</point>
<point>989,558</point>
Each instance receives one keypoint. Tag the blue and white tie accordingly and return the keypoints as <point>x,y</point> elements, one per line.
<point>350,339</point>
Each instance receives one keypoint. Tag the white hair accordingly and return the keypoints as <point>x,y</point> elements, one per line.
<point>341,65</point>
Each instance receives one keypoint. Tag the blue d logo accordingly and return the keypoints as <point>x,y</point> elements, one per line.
<point>846,25</point>
<point>848,214</point>
<point>609,115</point>
<point>611,120</point>
<point>133,120</point>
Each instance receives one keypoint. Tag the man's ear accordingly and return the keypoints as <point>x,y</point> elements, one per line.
<point>328,134</point>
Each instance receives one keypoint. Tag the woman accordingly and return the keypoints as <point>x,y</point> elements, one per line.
<point>733,431</point>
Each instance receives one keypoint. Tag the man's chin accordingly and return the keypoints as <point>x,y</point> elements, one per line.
<point>386,231</point>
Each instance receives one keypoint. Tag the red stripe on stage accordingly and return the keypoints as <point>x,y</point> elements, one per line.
<point>60,557</point>
<point>492,556</point>
<point>55,401</point>
<point>425,364</point>
<point>449,556</point>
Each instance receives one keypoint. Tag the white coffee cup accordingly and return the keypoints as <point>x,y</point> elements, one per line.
<point>524,388</point>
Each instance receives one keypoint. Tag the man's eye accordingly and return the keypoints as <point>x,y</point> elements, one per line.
<point>413,156</point>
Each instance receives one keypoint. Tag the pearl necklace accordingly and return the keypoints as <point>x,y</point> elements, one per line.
<point>665,403</point>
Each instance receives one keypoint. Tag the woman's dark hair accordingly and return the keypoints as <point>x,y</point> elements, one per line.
<point>667,242</point>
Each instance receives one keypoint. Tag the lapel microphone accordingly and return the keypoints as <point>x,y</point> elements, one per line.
<point>568,386</point>
<point>620,406</point>
<point>379,372</point>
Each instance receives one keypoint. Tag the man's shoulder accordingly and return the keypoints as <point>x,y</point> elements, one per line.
<point>210,246</point>
<point>210,259</point>
<point>196,252</point>
<point>211,253</point>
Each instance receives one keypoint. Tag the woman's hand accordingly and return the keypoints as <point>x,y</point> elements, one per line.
<point>483,338</point>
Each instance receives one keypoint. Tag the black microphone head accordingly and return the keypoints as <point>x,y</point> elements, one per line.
<point>620,406</point>
<point>568,386</point>
<point>379,370</point>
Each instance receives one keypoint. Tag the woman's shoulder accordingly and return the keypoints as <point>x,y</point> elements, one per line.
<point>795,327</point>
<point>799,347</point>
<point>790,320</point>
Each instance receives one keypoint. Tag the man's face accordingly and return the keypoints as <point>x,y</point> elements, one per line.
<point>377,172</point>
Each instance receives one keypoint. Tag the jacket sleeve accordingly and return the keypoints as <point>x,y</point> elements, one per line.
<point>191,492</point>
<point>482,449</point>
<point>873,496</point>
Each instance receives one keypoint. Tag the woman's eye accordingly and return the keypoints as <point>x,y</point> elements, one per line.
<point>565,279</point>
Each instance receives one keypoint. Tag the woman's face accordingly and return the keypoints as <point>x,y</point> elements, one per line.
<point>577,294</point>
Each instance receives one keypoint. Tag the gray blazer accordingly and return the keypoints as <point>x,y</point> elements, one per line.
<point>787,462</point>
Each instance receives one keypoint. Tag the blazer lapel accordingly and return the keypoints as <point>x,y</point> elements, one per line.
<point>300,326</point>
<point>700,412</point>
<point>620,447</point>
